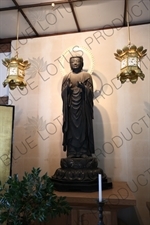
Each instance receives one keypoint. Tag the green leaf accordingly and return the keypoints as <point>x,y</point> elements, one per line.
<point>30,199</point>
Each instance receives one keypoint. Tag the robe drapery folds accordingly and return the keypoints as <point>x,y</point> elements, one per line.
<point>77,96</point>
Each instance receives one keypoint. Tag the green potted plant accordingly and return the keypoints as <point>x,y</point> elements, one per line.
<point>29,200</point>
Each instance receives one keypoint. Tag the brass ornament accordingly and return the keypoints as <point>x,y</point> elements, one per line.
<point>130,59</point>
<point>15,67</point>
<point>15,72</point>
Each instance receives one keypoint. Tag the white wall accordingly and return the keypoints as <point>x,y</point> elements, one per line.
<point>122,112</point>
<point>3,74</point>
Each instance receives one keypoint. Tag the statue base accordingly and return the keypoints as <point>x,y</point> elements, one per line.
<point>79,174</point>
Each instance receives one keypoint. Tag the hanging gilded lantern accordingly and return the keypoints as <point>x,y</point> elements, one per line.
<point>15,68</point>
<point>130,58</point>
<point>15,72</point>
<point>130,63</point>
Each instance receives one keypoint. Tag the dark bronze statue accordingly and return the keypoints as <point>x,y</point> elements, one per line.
<point>79,170</point>
<point>77,96</point>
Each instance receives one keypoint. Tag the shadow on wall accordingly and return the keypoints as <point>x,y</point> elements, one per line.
<point>102,146</point>
<point>128,216</point>
<point>98,136</point>
<point>4,100</point>
<point>104,150</point>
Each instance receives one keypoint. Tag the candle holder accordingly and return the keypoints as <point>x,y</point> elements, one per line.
<point>100,209</point>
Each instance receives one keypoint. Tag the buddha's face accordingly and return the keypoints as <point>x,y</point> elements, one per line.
<point>76,64</point>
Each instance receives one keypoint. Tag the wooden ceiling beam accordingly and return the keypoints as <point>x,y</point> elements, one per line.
<point>8,40</point>
<point>25,17</point>
<point>74,15</point>
<point>41,4</point>
<point>125,13</point>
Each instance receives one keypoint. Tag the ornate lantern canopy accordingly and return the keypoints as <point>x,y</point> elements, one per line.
<point>130,60</point>
<point>15,68</point>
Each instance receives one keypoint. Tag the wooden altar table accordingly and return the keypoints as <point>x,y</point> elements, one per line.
<point>85,207</point>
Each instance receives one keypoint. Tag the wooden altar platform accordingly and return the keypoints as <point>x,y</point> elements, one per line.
<point>85,207</point>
